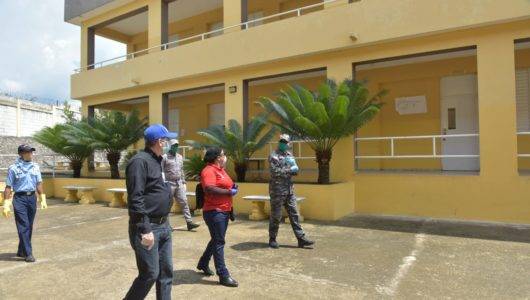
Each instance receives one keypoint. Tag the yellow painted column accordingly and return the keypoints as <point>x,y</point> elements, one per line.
<point>232,14</point>
<point>84,46</point>
<point>154,25</point>
<point>234,101</point>
<point>156,107</point>
<point>342,160</point>
<point>496,105</point>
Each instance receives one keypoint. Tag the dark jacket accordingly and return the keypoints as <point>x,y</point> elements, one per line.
<point>148,195</point>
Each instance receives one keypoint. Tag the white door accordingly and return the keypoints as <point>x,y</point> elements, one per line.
<point>459,116</point>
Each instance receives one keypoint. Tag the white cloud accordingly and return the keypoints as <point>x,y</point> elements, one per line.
<point>42,50</point>
<point>11,86</point>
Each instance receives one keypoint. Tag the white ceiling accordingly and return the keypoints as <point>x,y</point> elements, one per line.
<point>178,10</point>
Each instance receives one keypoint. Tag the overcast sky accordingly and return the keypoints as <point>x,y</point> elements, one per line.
<point>39,51</point>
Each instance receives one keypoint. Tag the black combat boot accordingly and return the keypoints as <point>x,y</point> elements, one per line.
<point>192,225</point>
<point>303,242</point>
<point>273,243</point>
<point>228,281</point>
<point>205,270</point>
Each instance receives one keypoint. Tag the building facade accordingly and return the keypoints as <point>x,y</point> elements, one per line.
<point>452,140</point>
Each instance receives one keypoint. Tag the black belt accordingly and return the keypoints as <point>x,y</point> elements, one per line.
<point>155,220</point>
<point>25,193</point>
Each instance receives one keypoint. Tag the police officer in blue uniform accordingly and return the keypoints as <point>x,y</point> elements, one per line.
<point>24,180</point>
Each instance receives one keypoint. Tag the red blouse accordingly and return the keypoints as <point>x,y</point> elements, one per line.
<point>213,175</point>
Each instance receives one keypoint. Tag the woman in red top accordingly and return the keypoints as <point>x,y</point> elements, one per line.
<point>218,192</point>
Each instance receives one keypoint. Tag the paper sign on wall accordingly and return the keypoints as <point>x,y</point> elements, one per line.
<point>411,105</point>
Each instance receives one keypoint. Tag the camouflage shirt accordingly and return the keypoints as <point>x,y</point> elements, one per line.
<point>173,166</point>
<point>281,182</point>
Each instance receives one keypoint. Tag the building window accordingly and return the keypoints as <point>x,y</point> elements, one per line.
<point>215,26</point>
<point>216,114</point>
<point>254,16</point>
<point>173,38</point>
<point>522,93</point>
<point>173,120</point>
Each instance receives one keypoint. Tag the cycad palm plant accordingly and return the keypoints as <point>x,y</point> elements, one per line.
<point>54,138</point>
<point>239,144</point>
<point>112,132</point>
<point>322,118</point>
<point>193,167</point>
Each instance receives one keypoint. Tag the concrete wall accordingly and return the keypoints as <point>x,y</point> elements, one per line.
<point>24,118</point>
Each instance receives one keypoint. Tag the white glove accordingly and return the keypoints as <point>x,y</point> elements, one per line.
<point>43,203</point>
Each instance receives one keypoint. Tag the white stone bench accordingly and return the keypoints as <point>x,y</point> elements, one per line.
<point>258,207</point>
<point>119,197</point>
<point>81,194</point>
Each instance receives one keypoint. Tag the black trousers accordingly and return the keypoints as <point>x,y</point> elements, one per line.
<point>154,265</point>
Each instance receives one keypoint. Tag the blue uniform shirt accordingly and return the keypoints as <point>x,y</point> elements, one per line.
<point>23,176</point>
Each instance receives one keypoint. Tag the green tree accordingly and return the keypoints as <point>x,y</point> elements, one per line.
<point>193,167</point>
<point>239,144</point>
<point>110,131</point>
<point>324,117</point>
<point>54,138</point>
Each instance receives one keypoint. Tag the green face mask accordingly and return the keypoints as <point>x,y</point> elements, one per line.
<point>174,148</point>
<point>283,147</point>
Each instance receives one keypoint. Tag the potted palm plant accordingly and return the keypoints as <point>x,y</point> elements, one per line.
<point>54,138</point>
<point>324,117</point>
<point>239,142</point>
<point>110,131</point>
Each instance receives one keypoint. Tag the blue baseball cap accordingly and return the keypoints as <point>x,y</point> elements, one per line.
<point>158,131</point>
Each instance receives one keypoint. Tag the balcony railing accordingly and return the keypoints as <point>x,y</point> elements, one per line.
<point>432,154</point>
<point>200,37</point>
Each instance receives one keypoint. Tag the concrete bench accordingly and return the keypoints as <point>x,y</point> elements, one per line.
<point>119,197</point>
<point>81,194</point>
<point>258,207</point>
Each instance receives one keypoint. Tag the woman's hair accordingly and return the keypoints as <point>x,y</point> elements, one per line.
<point>212,154</point>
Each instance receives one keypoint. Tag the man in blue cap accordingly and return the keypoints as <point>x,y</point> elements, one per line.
<point>24,179</point>
<point>149,203</point>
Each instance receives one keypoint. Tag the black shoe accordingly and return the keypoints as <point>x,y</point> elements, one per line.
<point>30,259</point>
<point>192,225</point>
<point>273,244</point>
<point>206,270</point>
<point>303,241</point>
<point>21,255</point>
<point>228,281</point>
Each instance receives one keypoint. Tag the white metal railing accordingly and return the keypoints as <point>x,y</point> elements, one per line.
<point>202,36</point>
<point>523,133</point>
<point>433,153</point>
<point>53,166</point>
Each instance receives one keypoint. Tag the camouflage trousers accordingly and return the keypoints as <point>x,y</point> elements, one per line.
<point>289,202</point>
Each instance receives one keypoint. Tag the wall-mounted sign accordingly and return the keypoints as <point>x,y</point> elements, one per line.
<point>411,105</point>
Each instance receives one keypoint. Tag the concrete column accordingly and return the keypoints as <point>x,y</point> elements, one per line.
<point>88,36</point>
<point>234,12</point>
<point>342,161</point>
<point>156,104</point>
<point>496,106</point>
<point>235,102</point>
<point>157,24</point>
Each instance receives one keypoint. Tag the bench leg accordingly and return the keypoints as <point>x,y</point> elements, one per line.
<point>197,212</point>
<point>71,196</point>
<point>258,211</point>
<point>117,200</point>
<point>300,217</point>
<point>87,197</point>
<point>175,208</point>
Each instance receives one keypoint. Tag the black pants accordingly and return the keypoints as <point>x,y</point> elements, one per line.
<point>154,265</point>
<point>217,225</point>
<point>25,208</point>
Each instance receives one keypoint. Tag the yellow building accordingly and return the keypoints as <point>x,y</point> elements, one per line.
<point>452,140</point>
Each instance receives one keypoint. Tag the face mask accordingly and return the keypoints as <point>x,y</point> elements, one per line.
<point>174,148</point>
<point>223,160</point>
<point>166,148</point>
<point>283,147</point>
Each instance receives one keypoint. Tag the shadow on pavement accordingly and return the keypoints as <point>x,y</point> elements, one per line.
<point>10,257</point>
<point>249,246</point>
<point>191,277</point>
<point>454,228</point>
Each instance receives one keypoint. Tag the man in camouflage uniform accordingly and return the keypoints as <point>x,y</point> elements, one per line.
<point>282,168</point>
<point>173,166</point>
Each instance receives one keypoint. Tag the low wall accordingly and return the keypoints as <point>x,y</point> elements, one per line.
<point>324,202</point>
